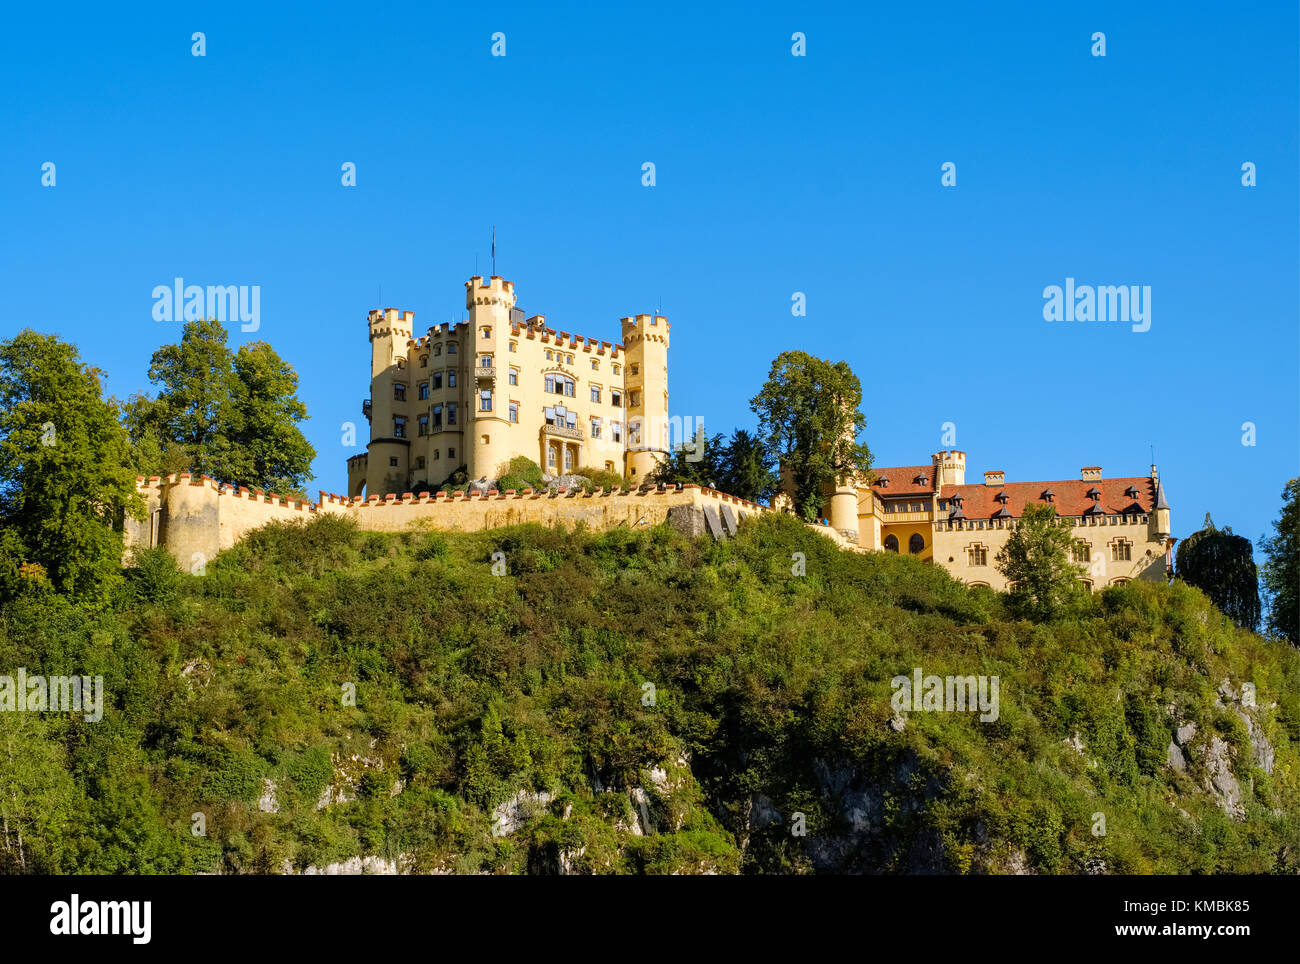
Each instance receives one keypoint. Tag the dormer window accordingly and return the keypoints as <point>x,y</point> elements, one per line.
<point>1093,494</point>
<point>1131,492</point>
<point>1048,495</point>
<point>1001,497</point>
<point>883,482</point>
<point>920,480</point>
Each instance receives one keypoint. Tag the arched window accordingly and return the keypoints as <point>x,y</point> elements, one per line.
<point>916,544</point>
<point>891,543</point>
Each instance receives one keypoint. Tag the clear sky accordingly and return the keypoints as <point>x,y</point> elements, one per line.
<point>775,174</point>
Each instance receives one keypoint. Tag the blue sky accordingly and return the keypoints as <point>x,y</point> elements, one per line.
<point>775,174</point>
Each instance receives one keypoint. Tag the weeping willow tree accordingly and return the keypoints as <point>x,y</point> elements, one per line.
<point>1221,565</point>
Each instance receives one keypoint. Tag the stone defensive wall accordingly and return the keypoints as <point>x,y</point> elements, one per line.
<point>195,517</point>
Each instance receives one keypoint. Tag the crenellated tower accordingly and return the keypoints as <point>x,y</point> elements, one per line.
<point>645,343</point>
<point>488,443</point>
<point>390,332</point>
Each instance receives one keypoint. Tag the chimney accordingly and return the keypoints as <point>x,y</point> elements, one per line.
<point>1091,473</point>
<point>994,478</point>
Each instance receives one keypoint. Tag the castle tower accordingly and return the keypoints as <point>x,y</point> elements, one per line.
<point>488,443</point>
<point>950,468</point>
<point>645,342</point>
<point>388,462</point>
<point>1159,518</point>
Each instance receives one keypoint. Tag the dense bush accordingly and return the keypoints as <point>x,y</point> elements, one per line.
<point>322,692</point>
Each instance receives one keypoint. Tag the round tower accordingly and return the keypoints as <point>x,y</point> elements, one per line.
<point>486,362</point>
<point>844,509</point>
<point>388,461</point>
<point>645,344</point>
<point>950,468</point>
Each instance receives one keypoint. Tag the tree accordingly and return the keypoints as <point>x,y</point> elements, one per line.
<point>1281,570</point>
<point>1036,562</point>
<point>65,472</point>
<point>233,416</point>
<point>1222,566</point>
<point>747,468</point>
<point>267,444</point>
<point>809,420</point>
<point>699,463</point>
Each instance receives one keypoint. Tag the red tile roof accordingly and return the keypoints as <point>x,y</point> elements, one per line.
<point>979,501</point>
<point>901,480</point>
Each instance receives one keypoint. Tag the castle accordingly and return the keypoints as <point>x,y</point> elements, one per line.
<point>482,391</point>
<point>1120,526</point>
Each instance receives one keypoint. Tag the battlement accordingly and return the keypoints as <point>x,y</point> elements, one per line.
<point>497,291</point>
<point>645,328</point>
<point>390,321</point>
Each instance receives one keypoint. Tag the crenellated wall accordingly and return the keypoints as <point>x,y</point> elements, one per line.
<point>195,517</point>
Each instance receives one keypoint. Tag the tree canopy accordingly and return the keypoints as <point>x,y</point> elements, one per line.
<point>1036,561</point>
<point>809,419</point>
<point>231,415</point>
<point>1221,565</point>
<point>741,467</point>
<point>65,472</point>
<point>1281,570</point>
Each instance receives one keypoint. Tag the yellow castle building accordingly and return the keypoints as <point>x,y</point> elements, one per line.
<point>480,392</point>
<point>1121,526</point>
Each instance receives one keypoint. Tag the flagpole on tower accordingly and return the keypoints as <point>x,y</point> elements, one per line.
<point>494,250</point>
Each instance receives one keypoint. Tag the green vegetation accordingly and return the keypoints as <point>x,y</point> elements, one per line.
<point>731,692</point>
<point>231,415</point>
<point>521,473</point>
<point>1222,566</point>
<point>1036,561</point>
<point>742,467</point>
<point>65,472</point>
<point>1281,569</point>
<point>809,419</point>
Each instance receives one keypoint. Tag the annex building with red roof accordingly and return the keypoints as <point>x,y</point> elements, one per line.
<point>1120,525</point>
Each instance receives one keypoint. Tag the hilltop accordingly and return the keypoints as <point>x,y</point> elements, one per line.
<point>537,700</point>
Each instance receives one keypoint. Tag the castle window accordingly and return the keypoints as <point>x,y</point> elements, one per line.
<point>514,376</point>
<point>634,369</point>
<point>424,390</point>
<point>1121,550</point>
<point>1086,583</point>
<point>451,349</point>
<point>437,418</point>
<point>616,398</point>
<point>595,393</point>
<point>401,363</point>
<point>616,431</point>
<point>1083,552</point>
<point>399,392</point>
<point>437,454</point>
<point>916,544</point>
<point>595,365</point>
<point>550,456</point>
<point>550,356</point>
<point>514,346</point>
<point>891,543</point>
<point>424,361</point>
<point>568,459</point>
<point>633,398</point>
<point>424,424</point>
<point>486,332</point>
<point>977,555</point>
<point>486,439</point>
<point>609,466</point>
<point>485,361</point>
<point>419,462</point>
<point>595,428</point>
<point>437,381</point>
<point>392,462</point>
<point>485,400</point>
<point>451,378</point>
<point>451,413</point>
<point>634,432</point>
<point>451,453</point>
<point>399,427</point>
<point>514,411</point>
<point>568,359</point>
<point>1119,581</point>
<point>437,350</point>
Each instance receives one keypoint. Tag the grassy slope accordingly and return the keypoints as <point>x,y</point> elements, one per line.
<point>773,687</point>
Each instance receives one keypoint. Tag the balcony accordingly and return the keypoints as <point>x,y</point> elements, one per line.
<point>481,372</point>
<point>563,431</point>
